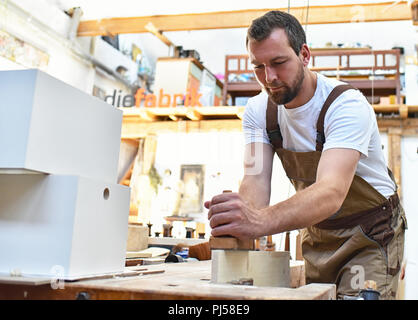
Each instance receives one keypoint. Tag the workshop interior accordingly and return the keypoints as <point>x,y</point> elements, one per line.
<point>120,120</point>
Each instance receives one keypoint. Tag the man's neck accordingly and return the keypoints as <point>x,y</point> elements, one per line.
<point>306,92</point>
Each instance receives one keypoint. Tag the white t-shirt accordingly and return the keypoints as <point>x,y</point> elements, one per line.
<point>350,122</point>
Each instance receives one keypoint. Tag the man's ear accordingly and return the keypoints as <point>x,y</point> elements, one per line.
<point>305,54</point>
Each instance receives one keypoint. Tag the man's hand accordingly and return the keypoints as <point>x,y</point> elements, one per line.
<point>239,214</point>
<point>230,215</point>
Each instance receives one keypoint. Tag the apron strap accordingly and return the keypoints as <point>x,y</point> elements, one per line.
<point>392,177</point>
<point>272,127</point>
<point>335,93</point>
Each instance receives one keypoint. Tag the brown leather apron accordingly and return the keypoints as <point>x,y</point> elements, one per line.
<point>362,241</point>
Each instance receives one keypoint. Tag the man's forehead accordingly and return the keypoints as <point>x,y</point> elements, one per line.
<point>277,39</point>
<point>269,49</point>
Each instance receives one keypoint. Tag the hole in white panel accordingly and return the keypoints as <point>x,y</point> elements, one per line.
<point>106,193</point>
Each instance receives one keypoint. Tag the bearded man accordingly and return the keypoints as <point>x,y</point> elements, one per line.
<point>325,133</point>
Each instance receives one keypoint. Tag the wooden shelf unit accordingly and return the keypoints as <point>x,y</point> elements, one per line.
<point>377,79</point>
<point>369,79</point>
<point>238,88</point>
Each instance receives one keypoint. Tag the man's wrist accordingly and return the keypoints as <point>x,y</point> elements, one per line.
<point>271,223</point>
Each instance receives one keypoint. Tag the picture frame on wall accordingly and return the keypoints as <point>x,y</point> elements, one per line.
<point>192,184</point>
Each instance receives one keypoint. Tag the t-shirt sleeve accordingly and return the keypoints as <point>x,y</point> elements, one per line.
<point>348,123</point>
<point>254,121</point>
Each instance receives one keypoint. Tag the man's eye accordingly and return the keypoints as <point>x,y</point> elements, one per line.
<point>258,67</point>
<point>279,63</point>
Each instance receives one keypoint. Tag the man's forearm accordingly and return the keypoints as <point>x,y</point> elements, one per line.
<point>254,192</point>
<point>307,207</point>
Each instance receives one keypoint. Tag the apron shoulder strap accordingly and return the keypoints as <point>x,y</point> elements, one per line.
<point>335,93</point>
<point>392,177</point>
<point>272,126</point>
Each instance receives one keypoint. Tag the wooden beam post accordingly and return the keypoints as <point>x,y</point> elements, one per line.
<point>394,156</point>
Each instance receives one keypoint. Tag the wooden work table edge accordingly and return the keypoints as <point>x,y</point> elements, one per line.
<point>179,281</point>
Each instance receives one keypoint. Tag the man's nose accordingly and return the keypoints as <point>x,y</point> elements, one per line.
<point>271,75</point>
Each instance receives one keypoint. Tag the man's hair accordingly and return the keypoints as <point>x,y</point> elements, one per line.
<point>261,28</point>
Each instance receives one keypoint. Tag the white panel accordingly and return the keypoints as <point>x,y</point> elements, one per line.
<point>36,234</point>
<point>15,115</point>
<point>410,203</point>
<point>411,84</point>
<point>49,221</point>
<point>70,132</point>
<point>171,76</point>
<point>100,228</point>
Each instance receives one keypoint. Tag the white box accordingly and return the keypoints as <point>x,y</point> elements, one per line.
<point>67,224</point>
<point>49,126</point>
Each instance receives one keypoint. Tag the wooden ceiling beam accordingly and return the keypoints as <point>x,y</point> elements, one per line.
<point>369,12</point>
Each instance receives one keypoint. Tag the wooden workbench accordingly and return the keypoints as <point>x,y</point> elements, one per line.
<point>187,280</point>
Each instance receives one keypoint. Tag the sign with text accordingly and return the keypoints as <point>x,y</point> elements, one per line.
<point>190,99</point>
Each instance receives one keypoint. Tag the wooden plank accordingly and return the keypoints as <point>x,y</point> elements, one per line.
<point>298,253</point>
<point>200,251</point>
<point>220,117</point>
<point>126,273</point>
<point>36,281</point>
<point>161,112</point>
<point>174,241</point>
<point>147,253</point>
<point>138,129</point>
<point>152,29</point>
<point>297,274</point>
<point>231,243</point>
<point>137,238</point>
<point>141,129</point>
<point>24,280</point>
<point>368,12</point>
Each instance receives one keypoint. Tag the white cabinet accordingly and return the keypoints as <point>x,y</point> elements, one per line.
<point>72,224</point>
<point>71,218</point>
<point>49,126</point>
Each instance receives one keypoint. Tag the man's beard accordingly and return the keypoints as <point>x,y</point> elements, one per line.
<point>287,92</point>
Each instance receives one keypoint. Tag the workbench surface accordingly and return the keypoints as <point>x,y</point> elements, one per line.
<point>188,280</point>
